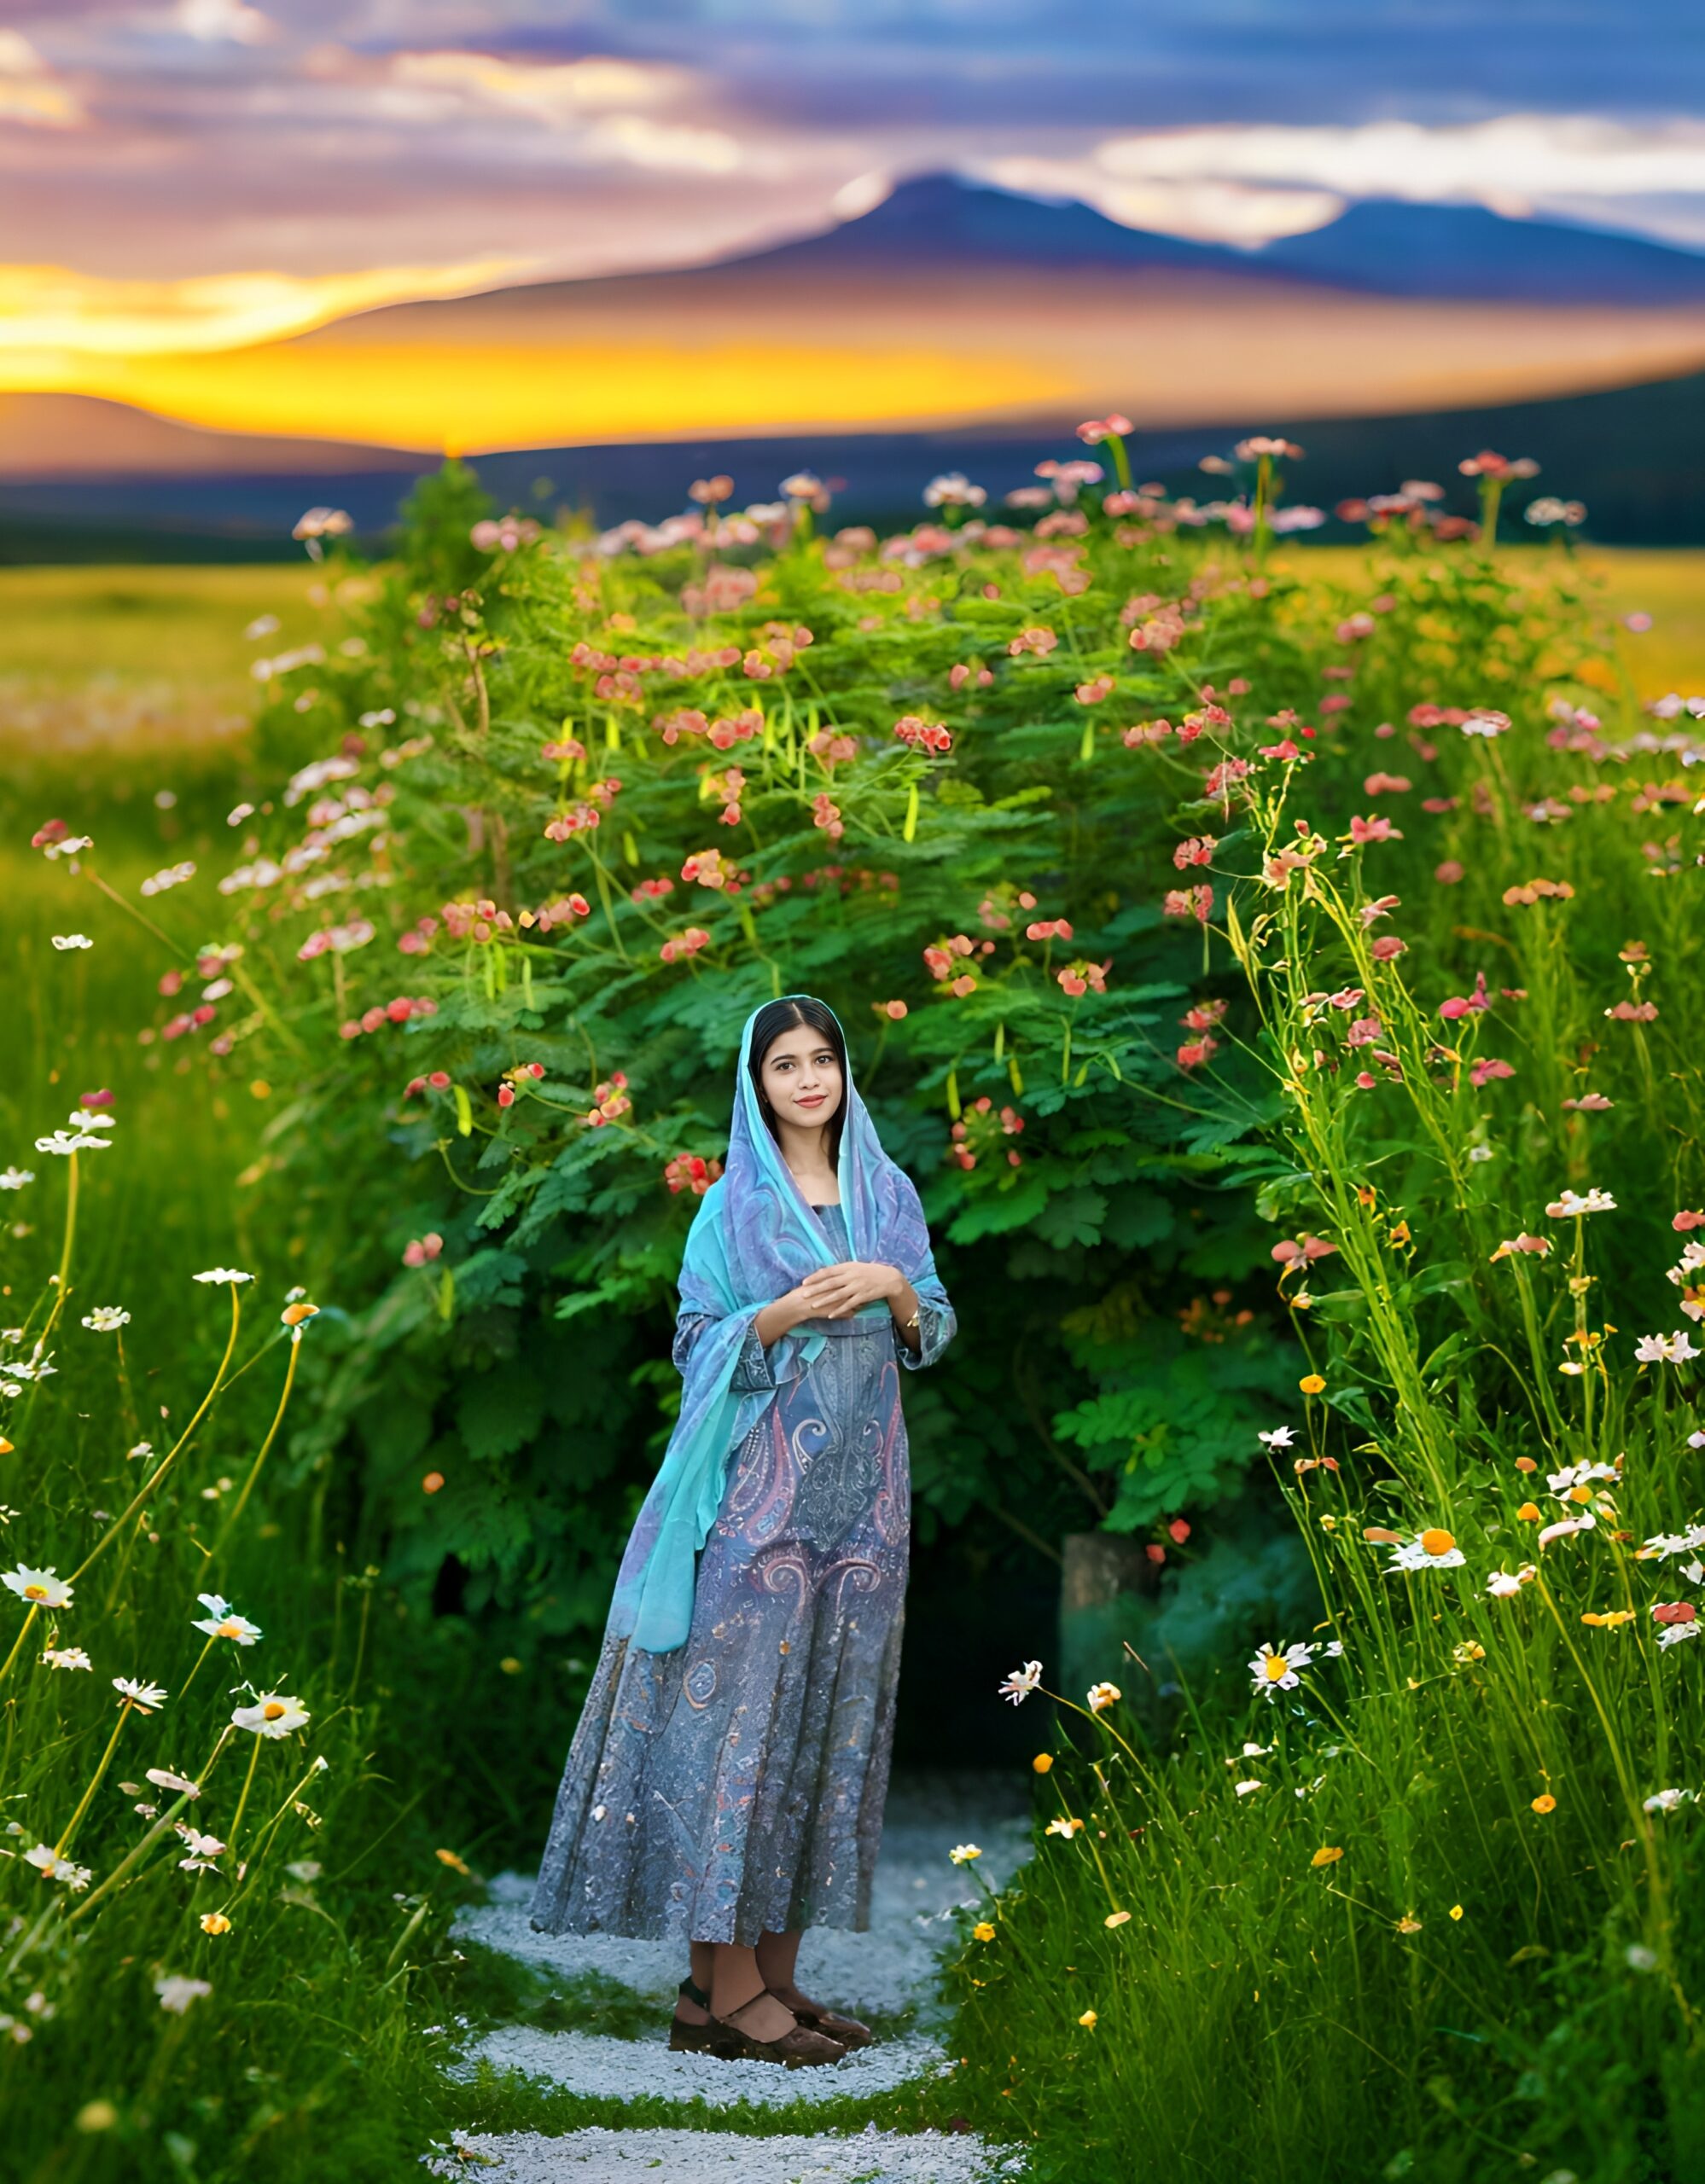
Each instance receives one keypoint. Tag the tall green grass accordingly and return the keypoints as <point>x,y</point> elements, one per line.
<point>1435,1906</point>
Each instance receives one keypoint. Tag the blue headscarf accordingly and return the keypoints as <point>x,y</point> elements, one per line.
<point>753,1238</point>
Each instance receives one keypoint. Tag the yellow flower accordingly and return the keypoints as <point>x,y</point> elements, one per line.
<point>1407,1925</point>
<point>982,1931</point>
<point>215,1922</point>
<point>1611,1619</point>
<point>1043,1762</point>
<point>1328,1854</point>
<point>1062,1827</point>
<point>1087,2019</point>
<point>1115,1918</point>
<point>1312,1384</point>
<point>511,1665</point>
<point>1545,1803</point>
<point>1103,1695</point>
<point>449,1858</point>
<point>1529,1512</point>
<point>1456,1910</point>
<point>1470,1650</point>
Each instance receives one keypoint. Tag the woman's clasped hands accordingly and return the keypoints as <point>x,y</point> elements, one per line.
<point>836,1293</point>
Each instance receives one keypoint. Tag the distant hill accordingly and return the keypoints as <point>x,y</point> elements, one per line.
<point>72,435</point>
<point>1635,454</point>
<point>1396,249</point>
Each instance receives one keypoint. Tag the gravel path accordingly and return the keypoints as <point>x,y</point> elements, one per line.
<point>600,2157</point>
<point>888,1972</point>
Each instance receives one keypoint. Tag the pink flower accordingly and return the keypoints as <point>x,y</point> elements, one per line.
<point>1049,929</point>
<point>1375,829</point>
<point>1364,1032</point>
<point>1198,850</point>
<point>684,944</point>
<point>1388,948</point>
<point>1471,1004</point>
<point>1387,785</point>
<point>1039,641</point>
<point>1484,1071</point>
<point>1448,873</point>
<point>921,735</point>
<point>894,1010</point>
<point>688,1172</point>
<point>1194,1052</point>
<point>1084,977</point>
<point>1302,1250</point>
<point>422,1249</point>
<point>1092,692</point>
<point>1196,903</point>
<point>1685,1220</point>
<point>1381,905</point>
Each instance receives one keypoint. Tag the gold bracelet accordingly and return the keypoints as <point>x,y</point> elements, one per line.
<point>909,1327</point>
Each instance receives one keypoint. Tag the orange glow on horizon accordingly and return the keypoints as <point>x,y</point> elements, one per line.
<point>470,398</point>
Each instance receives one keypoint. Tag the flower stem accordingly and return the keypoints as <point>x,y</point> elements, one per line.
<point>242,1501</point>
<point>71,1826</point>
<point>18,1642</point>
<point>248,1785</point>
<point>165,1463</point>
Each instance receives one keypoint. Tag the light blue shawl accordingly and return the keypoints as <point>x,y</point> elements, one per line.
<point>753,1239</point>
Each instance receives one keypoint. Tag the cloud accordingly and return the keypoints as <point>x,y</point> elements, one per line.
<point>585,100</point>
<point>29,91</point>
<point>1517,155</point>
<point>214,20</point>
<point>1207,210</point>
<point>49,315</point>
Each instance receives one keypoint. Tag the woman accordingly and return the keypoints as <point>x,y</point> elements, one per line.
<point>726,1785</point>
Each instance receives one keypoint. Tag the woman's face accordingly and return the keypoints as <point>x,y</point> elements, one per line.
<point>801,1078</point>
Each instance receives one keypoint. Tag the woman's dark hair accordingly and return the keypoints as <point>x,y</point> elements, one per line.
<point>787,1015</point>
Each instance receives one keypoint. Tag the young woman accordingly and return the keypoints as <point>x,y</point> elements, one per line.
<point>726,1785</point>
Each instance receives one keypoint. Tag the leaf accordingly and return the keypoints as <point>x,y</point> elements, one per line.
<point>499,1411</point>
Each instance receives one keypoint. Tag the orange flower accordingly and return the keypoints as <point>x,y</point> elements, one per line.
<point>1043,1762</point>
<point>1529,1512</point>
<point>1328,1854</point>
<point>1546,1803</point>
<point>1312,1384</point>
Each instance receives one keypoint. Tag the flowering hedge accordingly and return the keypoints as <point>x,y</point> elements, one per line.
<point>975,783</point>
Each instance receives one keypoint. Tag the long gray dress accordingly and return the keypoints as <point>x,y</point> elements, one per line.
<point>734,1786</point>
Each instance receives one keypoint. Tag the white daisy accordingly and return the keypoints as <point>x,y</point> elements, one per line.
<point>1103,1695</point>
<point>203,1850</point>
<point>1282,1437</point>
<point>65,940</point>
<point>1244,1789</point>
<point>1066,1827</point>
<point>1275,1671</point>
<point>66,1141</point>
<point>176,1993</point>
<point>1675,1349</point>
<point>962,1853</point>
<point>1433,1549</point>
<point>1503,1587</point>
<point>107,1319</point>
<point>1572,1203</point>
<point>14,1179</point>
<point>145,1698</point>
<point>1667,1800</point>
<point>39,1587</point>
<point>223,1621</point>
<point>224,1273</point>
<point>1021,1682</point>
<point>49,1864</point>
<point>1676,1633</point>
<point>164,1778</point>
<point>271,1716</point>
<point>92,1119</point>
<point>66,1657</point>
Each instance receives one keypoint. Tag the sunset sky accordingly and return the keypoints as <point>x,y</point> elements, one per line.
<point>200,177</point>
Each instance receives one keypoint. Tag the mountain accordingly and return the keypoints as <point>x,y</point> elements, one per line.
<point>1397,249</point>
<point>943,219</point>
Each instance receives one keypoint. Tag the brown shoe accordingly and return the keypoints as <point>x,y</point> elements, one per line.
<point>686,2039</point>
<point>796,2050</point>
<point>846,2031</point>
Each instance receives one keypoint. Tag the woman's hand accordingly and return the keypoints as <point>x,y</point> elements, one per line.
<point>836,1293</point>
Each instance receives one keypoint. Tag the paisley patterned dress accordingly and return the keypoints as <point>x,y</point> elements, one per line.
<point>734,1786</point>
